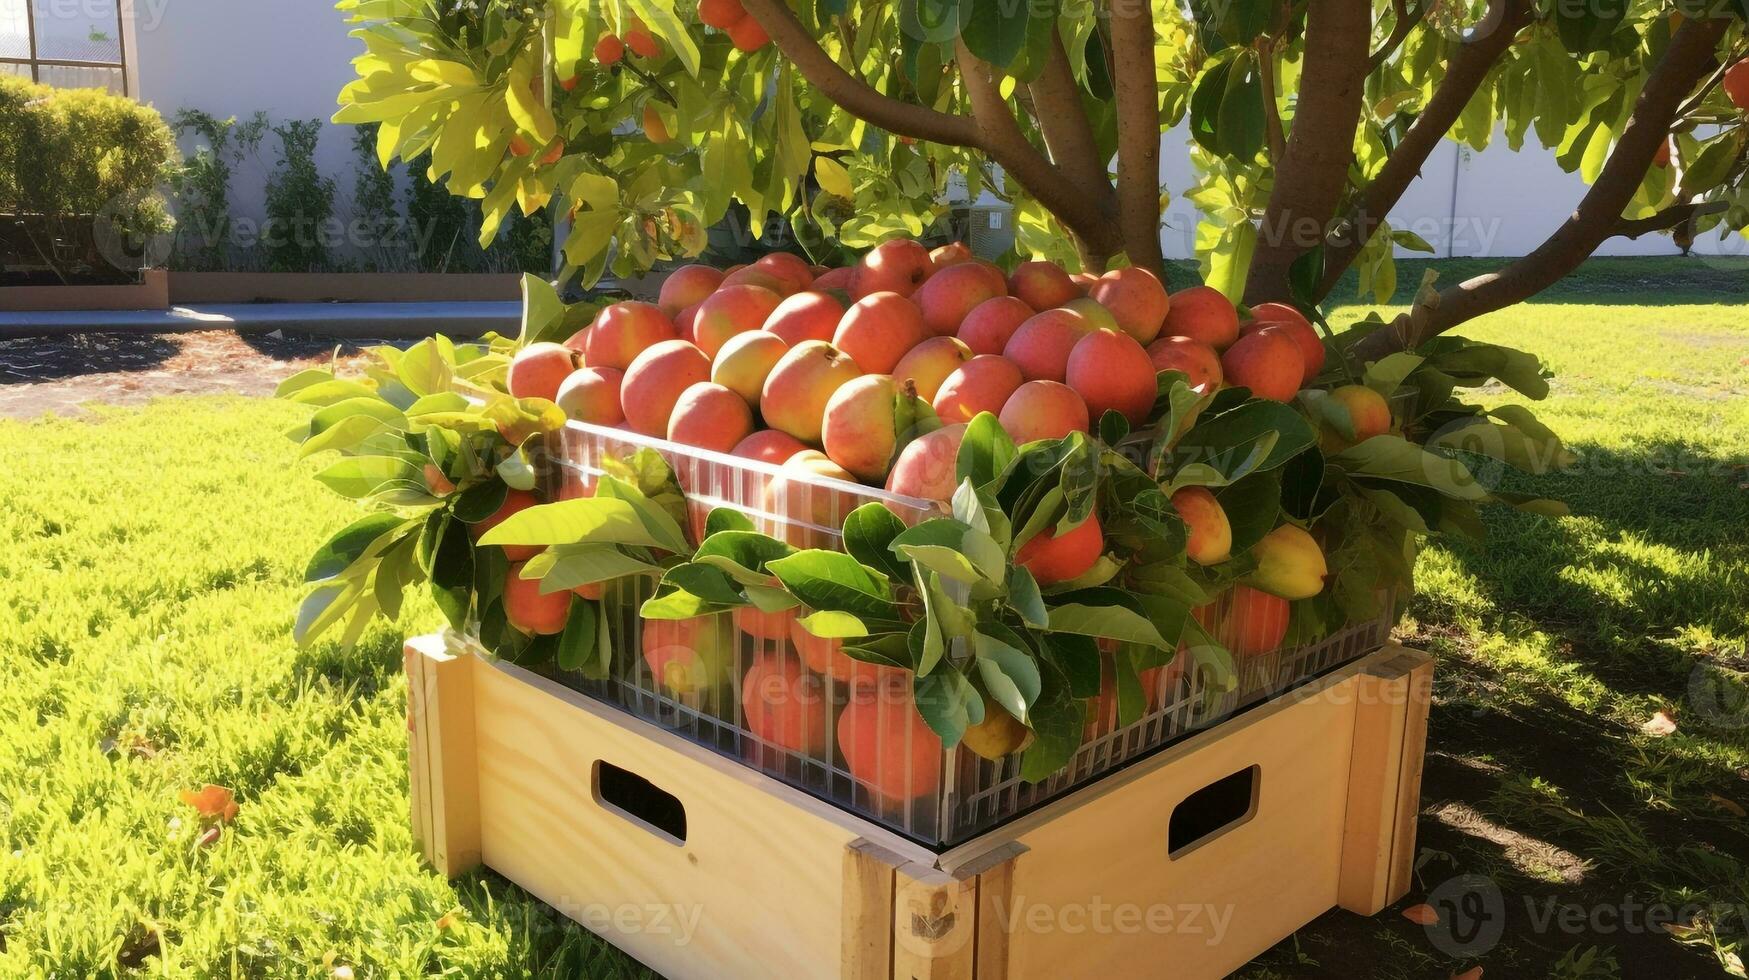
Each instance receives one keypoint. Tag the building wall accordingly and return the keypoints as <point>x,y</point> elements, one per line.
<point>1496,202</point>
<point>289,58</point>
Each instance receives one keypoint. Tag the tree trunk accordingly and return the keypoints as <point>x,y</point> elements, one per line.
<point>1310,176</point>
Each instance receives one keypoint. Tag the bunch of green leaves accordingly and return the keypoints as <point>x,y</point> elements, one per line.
<point>947,600</point>
<point>1374,500</point>
<point>429,439</point>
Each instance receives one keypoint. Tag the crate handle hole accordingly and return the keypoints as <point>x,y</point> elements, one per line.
<point>1209,812</point>
<point>640,801</point>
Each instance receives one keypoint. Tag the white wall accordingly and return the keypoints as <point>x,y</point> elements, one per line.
<point>1465,204</point>
<point>233,57</point>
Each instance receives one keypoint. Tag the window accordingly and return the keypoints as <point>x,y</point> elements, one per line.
<point>65,43</point>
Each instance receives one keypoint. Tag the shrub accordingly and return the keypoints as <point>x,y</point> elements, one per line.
<point>203,187</point>
<point>78,174</point>
<point>300,228</point>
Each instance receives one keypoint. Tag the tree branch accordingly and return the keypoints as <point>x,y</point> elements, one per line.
<point>1670,217</point>
<point>1691,54</point>
<point>1311,174</point>
<point>1138,130</point>
<point>1405,22</point>
<point>1068,134</point>
<point>854,95</point>
<point>999,136</point>
<point>1464,74</point>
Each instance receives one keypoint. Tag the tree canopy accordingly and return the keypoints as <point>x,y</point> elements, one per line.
<point>851,119</point>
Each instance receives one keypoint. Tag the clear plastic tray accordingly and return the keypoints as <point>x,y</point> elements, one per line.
<point>810,703</point>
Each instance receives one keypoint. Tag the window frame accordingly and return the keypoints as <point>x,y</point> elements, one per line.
<point>35,63</point>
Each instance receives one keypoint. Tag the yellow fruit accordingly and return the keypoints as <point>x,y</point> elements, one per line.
<point>998,735</point>
<point>1289,564</point>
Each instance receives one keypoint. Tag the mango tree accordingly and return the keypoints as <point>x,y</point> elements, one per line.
<point>847,119</point>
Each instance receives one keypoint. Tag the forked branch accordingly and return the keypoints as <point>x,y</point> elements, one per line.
<point>1692,53</point>
<point>1464,74</point>
<point>999,136</point>
<point>854,95</point>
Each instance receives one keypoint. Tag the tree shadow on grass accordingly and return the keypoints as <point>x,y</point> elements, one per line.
<point>299,346</point>
<point>1656,548</point>
<point>31,360</point>
<point>1515,891</point>
<point>1539,797</point>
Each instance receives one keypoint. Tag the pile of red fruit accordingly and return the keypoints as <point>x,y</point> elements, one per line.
<point>789,363</point>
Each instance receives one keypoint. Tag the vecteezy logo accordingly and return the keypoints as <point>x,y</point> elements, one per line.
<point>1718,697</point>
<point>1472,916</point>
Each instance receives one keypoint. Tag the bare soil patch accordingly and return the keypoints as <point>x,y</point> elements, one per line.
<point>61,375</point>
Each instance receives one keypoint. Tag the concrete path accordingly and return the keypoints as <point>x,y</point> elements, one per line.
<point>376,320</point>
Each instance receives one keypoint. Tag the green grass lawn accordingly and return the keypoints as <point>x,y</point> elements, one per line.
<point>151,568</point>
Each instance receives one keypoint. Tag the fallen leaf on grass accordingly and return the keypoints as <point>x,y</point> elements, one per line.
<point>1661,724</point>
<point>209,837</point>
<point>1729,805</point>
<point>212,803</point>
<point>1421,915</point>
<point>1473,973</point>
<point>1679,930</point>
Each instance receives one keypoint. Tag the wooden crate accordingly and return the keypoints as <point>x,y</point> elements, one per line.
<point>1187,863</point>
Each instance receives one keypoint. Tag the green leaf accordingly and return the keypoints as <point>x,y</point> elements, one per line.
<point>307,378</point>
<point>834,625</point>
<point>343,434</point>
<point>833,580</point>
<point>581,637</point>
<point>394,570</point>
<point>543,313</point>
<point>1252,506</point>
<point>479,501</point>
<point>1256,436</point>
<point>869,531</point>
<point>659,521</point>
<point>1240,120</point>
<point>598,520</point>
<point>666,23</point>
<point>1712,166</point>
<point>1205,108</point>
<point>358,477</point>
<point>1058,719</point>
<point>996,30</point>
<point>1107,622</point>
<point>986,450</point>
<point>323,608</point>
<point>368,535</point>
<point>564,567</point>
<point>726,519</point>
<point>1386,375</point>
<point>706,582</point>
<point>516,471</point>
<point>948,703</point>
<point>938,545</point>
<point>744,555</point>
<point>1010,674</point>
<point>452,573</point>
<point>1393,458</point>
<point>428,367</point>
<point>1025,599</point>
